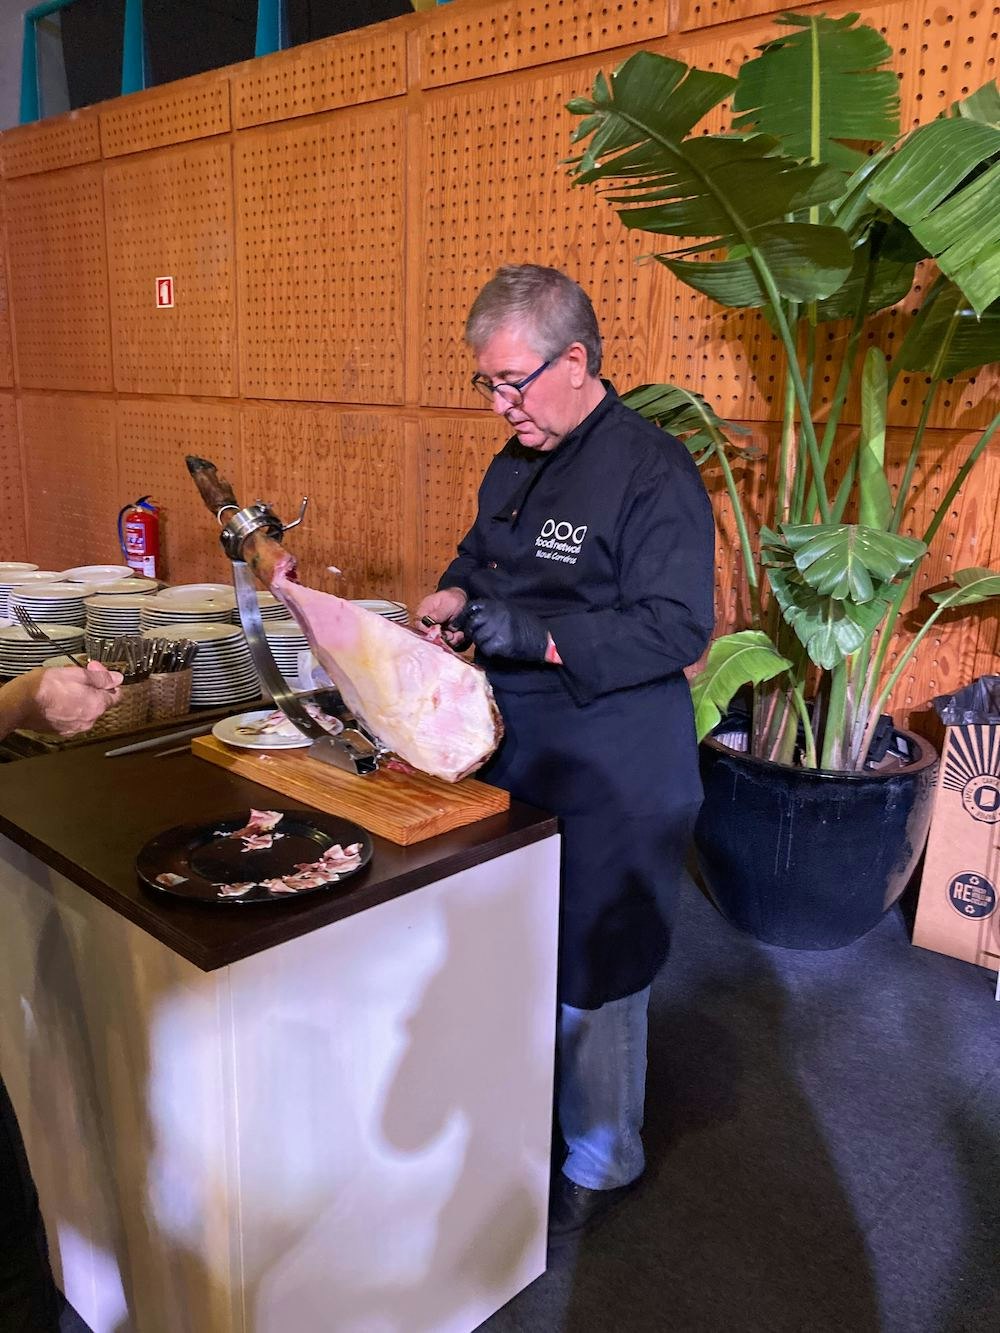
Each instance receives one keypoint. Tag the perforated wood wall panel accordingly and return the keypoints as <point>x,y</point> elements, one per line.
<point>937,63</point>
<point>6,344</point>
<point>379,178</point>
<point>470,41</point>
<point>63,142</point>
<point>188,109</point>
<point>495,194</point>
<point>153,439</point>
<point>344,71</point>
<point>320,258</point>
<point>171,214</point>
<point>454,453</point>
<point>13,539</point>
<point>353,466</point>
<point>59,281</point>
<point>72,479</point>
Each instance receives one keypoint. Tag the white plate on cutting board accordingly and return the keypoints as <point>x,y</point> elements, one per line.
<point>289,737</point>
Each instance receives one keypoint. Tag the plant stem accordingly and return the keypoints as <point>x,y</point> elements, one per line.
<point>888,625</point>
<point>801,396</point>
<point>787,474</point>
<point>749,567</point>
<point>803,711</point>
<point>846,373</point>
<point>903,494</point>
<point>833,731</point>
<point>897,671</point>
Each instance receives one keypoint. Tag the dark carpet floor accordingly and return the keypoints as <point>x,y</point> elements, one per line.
<point>823,1134</point>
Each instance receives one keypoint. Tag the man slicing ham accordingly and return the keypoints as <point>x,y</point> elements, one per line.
<point>586,586</point>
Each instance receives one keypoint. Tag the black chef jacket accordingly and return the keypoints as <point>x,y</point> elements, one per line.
<point>609,539</point>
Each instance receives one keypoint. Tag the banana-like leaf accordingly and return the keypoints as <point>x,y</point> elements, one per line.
<point>673,97</point>
<point>971,586</point>
<point>847,561</point>
<point>718,190</point>
<point>830,67</point>
<point>733,660</point>
<point>828,629</point>
<point>808,262</point>
<point>684,414</point>
<point>875,507</point>
<point>944,182</point>
<point>982,105</point>
<point>947,338</point>
<point>892,279</point>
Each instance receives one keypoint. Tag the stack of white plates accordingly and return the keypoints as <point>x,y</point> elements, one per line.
<point>16,567</point>
<point>13,580</point>
<point>391,610</point>
<point>58,603</point>
<point>133,587</point>
<point>286,641</point>
<point>185,590</point>
<point>97,573</point>
<point>271,608</point>
<point>201,609</point>
<point>223,671</point>
<point>112,614</point>
<point>18,653</point>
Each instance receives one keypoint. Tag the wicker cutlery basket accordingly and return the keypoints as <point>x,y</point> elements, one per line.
<point>131,710</point>
<point>170,694</point>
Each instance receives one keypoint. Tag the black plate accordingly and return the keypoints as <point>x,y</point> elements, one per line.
<point>202,857</point>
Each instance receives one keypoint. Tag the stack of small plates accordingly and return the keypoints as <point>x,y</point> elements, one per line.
<point>271,608</point>
<point>391,610</point>
<point>112,614</point>
<point>97,573</point>
<point>223,671</point>
<point>16,567</point>
<point>134,587</point>
<point>13,580</point>
<point>58,603</point>
<point>201,609</point>
<point>18,653</point>
<point>185,590</point>
<point>286,641</point>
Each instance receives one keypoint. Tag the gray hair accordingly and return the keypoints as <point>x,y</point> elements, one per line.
<point>555,309</point>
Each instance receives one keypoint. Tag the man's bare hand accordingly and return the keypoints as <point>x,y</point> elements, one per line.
<point>66,700</point>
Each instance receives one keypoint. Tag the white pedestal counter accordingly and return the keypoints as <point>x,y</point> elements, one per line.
<point>327,1117</point>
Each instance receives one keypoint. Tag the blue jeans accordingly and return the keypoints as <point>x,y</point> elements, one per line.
<point>602,1090</point>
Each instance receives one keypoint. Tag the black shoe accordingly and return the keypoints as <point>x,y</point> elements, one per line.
<point>573,1208</point>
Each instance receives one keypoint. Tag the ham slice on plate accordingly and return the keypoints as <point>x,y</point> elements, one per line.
<point>423,702</point>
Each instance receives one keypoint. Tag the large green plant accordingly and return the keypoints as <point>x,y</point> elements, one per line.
<point>814,208</point>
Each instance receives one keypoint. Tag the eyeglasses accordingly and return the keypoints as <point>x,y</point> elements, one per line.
<point>510,394</point>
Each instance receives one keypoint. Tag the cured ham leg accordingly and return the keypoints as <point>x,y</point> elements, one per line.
<point>425,703</point>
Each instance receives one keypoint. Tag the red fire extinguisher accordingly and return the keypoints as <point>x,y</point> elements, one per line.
<point>139,536</point>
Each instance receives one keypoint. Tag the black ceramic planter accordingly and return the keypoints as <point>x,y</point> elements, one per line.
<point>810,859</point>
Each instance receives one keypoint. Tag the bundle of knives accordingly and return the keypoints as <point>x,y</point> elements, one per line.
<point>137,657</point>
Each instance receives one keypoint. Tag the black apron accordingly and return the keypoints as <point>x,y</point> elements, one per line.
<point>618,773</point>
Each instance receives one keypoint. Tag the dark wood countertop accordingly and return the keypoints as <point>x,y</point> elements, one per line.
<point>87,816</point>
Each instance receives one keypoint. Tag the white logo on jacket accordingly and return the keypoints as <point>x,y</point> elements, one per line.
<point>559,540</point>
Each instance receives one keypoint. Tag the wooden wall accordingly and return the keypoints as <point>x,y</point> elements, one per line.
<point>328,214</point>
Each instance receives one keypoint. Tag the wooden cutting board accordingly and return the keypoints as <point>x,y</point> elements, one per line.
<point>403,807</point>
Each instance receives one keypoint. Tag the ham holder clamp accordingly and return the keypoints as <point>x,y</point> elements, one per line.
<point>351,748</point>
<point>400,693</point>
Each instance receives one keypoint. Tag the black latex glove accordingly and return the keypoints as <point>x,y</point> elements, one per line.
<point>501,630</point>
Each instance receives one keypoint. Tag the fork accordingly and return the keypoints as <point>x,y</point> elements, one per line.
<point>30,626</point>
<point>34,631</point>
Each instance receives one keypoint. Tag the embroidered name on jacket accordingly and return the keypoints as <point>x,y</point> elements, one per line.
<point>559,540</point>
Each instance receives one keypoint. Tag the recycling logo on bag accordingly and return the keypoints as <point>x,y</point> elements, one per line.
<point>972,895</point>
